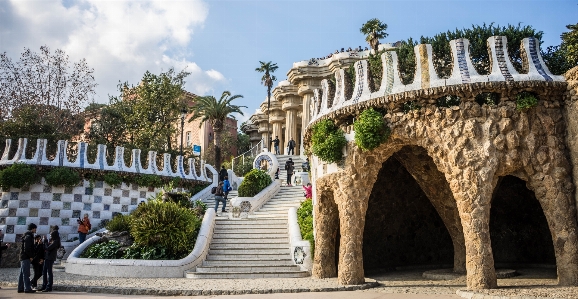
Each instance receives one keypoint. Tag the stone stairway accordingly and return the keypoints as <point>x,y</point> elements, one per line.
<point>257,247</point>
<point>297,162</point>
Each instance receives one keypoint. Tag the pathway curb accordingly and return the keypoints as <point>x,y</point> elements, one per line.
<point>474,295</point>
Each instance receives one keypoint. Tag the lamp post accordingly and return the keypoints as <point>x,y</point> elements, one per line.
<point>183,114</point>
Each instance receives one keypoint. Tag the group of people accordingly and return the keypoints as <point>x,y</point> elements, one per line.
<point>221,192</point>
<point>290,146</point>
<point>40,252</point>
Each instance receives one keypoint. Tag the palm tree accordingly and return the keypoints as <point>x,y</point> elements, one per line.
<point>267,68</point>
<point>207,108</point>
<point>374,30</point>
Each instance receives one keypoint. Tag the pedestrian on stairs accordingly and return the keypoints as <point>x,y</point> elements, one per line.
<point>223,173</point>
<point>220,197</point>
<point>289,167</point>
<point>276,145</point>
<point>226,187</point>
<point>291,147</point>
<point>308,191</point>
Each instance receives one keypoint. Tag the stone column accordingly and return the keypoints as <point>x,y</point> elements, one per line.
<point>473,193</point>
<point>278,131</point>
<point>571,116</point>
<point>326,225</point>
<point>291,127</point>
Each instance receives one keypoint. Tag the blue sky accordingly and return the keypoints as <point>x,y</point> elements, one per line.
<point>221,42</point>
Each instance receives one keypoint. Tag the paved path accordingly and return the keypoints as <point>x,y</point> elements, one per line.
<point>367,294</point>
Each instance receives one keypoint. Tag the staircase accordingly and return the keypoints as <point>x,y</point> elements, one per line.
<point>256,247</point>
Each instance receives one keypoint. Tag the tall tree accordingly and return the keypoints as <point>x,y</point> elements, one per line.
<point>44,78</point>
<point>570,42</point>
<point>374,30</point>
<point>208,108</point>
<point>267,68</point>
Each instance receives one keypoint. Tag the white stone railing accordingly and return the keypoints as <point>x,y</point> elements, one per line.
<point>300,249</point>
<point>463,72</point>
<point>143,268</point>
<point>241,207</point>
<point>81,160</point>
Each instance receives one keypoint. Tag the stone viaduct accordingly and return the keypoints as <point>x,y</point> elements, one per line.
<point>457,155</point>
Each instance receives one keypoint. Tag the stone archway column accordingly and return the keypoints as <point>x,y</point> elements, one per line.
<point>554,191</point>
<point>352,196</point>
<point>472,189</point>
<point>326,226</point>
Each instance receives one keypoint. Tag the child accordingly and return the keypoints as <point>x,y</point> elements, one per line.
<point>308,191</point>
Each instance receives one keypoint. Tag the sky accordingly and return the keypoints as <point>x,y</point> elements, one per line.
<point>220,42</point>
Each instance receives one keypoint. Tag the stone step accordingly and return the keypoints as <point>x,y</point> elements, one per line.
<point>249,236</point>
<point>248,241</point>
<point>243,230</point>
<point>266,215</point>
<point>278,207</point>
<point>235,257</point>
<point>250,262</point>
<point>247,226</point>
<point>248,268</point>
<point>246,275</point>
<point>274,221</point>
<point>249,250</point>
<point>229,245</point>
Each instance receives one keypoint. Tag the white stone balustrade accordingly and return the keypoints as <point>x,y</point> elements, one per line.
<point>300,249</point>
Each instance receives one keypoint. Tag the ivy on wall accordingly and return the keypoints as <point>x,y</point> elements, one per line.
<point>526,100</point>
<point>327,141</point>
<point>370,129</point>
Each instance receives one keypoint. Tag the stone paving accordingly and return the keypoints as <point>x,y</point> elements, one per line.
<point>531,284</point>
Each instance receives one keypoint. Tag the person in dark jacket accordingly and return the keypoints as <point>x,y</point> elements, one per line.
<point>51,249</point>
<point>38,261</point>
<point>2,247</point>
<point>289,166</point>
<point>222,174</point>
<point>26,256</point>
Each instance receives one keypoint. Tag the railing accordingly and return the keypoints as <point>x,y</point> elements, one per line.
<point>250,154</point>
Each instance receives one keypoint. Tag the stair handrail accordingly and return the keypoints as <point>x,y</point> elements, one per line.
<point>256,149</point>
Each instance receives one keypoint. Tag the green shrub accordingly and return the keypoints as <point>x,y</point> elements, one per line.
<point>199,207</point>
<point>155,252</point>
<point>18,175</point>
<point>448,101</point>
<point>119,223</point>
<point>526,100</point>
<point>149,180</point>
<point>305,221</point>
<point>104,250</point>
<point>112,179</point>
<point>165,224</point>
<point>370,129</point>
<point>254,182</point>
<point>62,176</point>
<point>327,141</point>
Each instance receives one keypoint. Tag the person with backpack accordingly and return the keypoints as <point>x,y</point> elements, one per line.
<point>289,167</point>
<point>51,249</point>
<point>26,256</point>
<point>226,187</point>
<point>220,197</point>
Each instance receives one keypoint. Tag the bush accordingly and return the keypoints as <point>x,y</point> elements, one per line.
<point>113,179</point>
<point>167,225</point>
<point>526,100</point>
<point>370,129</point>
<point>104,250</point>
<point>254,182</point>
<point>119,223</point>
<point>155,252</point>
<point>62,176</point>
<point>327,141</point>
<point>18,175</point>
<point>149,180</point>
<point>199,207</point>
<point>305,221</point>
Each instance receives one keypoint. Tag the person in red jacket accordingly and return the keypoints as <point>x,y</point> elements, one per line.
<point>83,228</point>
<point>308,191</point>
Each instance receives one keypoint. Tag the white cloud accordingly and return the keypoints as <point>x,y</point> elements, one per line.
<point>120,39</point>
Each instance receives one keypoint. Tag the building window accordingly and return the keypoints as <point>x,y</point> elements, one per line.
<point>188,138</point>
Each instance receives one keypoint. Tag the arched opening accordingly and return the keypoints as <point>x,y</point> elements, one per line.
<point>518,227</point>
<point>402,226</point>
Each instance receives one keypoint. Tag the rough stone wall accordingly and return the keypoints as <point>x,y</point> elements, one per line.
<point>571,117</point>
<point>518,226</point>
<point>402,227</point>
<point>472,146</point>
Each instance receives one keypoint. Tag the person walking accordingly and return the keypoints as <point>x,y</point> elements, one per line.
<point>289,167</point>
<point>2,247</point>
<point>26,257</point>
<point>83,227</point>
<point>220,197</point>
<point>226,187</point>
<point>291,147</point>
<point>223,173</point>
<point>276,145</point>
<point>38,261</point>
<point>51,248</point>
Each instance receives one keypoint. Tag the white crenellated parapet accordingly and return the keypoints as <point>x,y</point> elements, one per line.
<point>81,160</point>
<point>463,72</point>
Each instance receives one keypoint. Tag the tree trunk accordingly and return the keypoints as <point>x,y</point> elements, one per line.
<point>217,143</point>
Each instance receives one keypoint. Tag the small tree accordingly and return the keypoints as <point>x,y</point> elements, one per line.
<point>374,30</point>
<point>267,68</point>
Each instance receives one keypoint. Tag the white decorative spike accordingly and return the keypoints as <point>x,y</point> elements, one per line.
<point>339,98</point>
<point>390,80</point>
<point>325,96</point>
<point>537,69</point>
<point>135,165</point>
<point>316,103</point>
<point>5,159</point>
<point>215,174</point>
<point>502,68</point>
<point>463,70</point>
<point>361,90</point>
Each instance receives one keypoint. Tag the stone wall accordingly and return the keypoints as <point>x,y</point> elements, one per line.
<point>402,227</point>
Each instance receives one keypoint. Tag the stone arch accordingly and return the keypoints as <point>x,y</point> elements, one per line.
<point>326,230</point>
